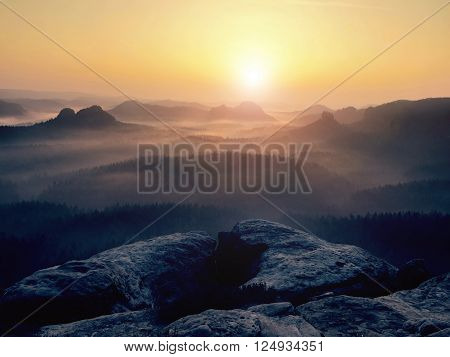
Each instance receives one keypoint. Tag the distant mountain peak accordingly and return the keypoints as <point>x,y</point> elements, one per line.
<point>93,116</point>
<point>92,109</point>
<point>317,109</point>
<point>65,114</point>
<point>247,105</point>
<point>244,110</point>
<point>95,113</point>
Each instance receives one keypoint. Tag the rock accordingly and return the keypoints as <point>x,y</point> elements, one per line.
<point>223,323</point>
<point>419,312</point>
<point>205,324</point>
<point>275,309</point>
<point>298,266</point>
<point>131,324</point>
<point>134,290</point>
<point>242,323</point>
<point>352,316</point>
<point>424,311</point>
<point>412,274</point>
<point>428,327</point>
<point>92,117</point>
<point>66,114</point>
<point>429,301</point>
<point>168,274</point>
<point>201,331</point>
<point>442,333</point>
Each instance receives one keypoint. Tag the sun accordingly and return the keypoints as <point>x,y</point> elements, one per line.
<point>253,75</point>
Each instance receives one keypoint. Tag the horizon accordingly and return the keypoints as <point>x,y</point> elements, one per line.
<point>117,100</point>
<point>283,55</point>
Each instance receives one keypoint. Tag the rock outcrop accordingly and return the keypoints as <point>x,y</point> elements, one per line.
<point>419,312</point>
<point>167,274</point>
<point>277,319</point>
<point>271,320</point>
<point>424,311</point>
<point>192,285</point>
<point>299,266</point>
<point>244,112</point>
<point>91,117</point>
<point>131,324</point>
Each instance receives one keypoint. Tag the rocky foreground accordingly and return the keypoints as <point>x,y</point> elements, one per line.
<point>260,279</point>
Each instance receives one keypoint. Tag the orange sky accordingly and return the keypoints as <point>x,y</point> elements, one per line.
<point>283,52</point>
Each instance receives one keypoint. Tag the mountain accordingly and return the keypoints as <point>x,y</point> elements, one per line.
<point>412,132</point>
<point>132,111</point>
<point>301,118</point>
<point>319,109</point>
<point>178,103</point>
<point>305,119</point>
<point>323,129</point>
<point>403,133</point>
<point>316,109</point>
<point>396,137</point>
<point>248,111</point>
<point>89,118</point>
<point>404,117</point>
<point>349,115</point>
<point>8,109</point>
<point>69,123</point>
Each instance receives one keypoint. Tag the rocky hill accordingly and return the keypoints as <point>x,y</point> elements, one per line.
<point>70,124</point>
<point>247,111</point>
<point>143,112</point>
<point>172,111</point>
<point>260,279</point>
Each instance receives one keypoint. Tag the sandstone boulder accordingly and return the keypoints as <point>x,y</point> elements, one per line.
<point>131,324</point>
<point>298,265</point>
<point>422,311</point>
<point>243,323</point>
<point>168,274</point>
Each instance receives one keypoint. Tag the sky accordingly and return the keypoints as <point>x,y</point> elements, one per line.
<point>282,53</point>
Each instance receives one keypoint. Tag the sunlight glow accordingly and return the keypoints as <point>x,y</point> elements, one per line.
<point>253,76</point>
